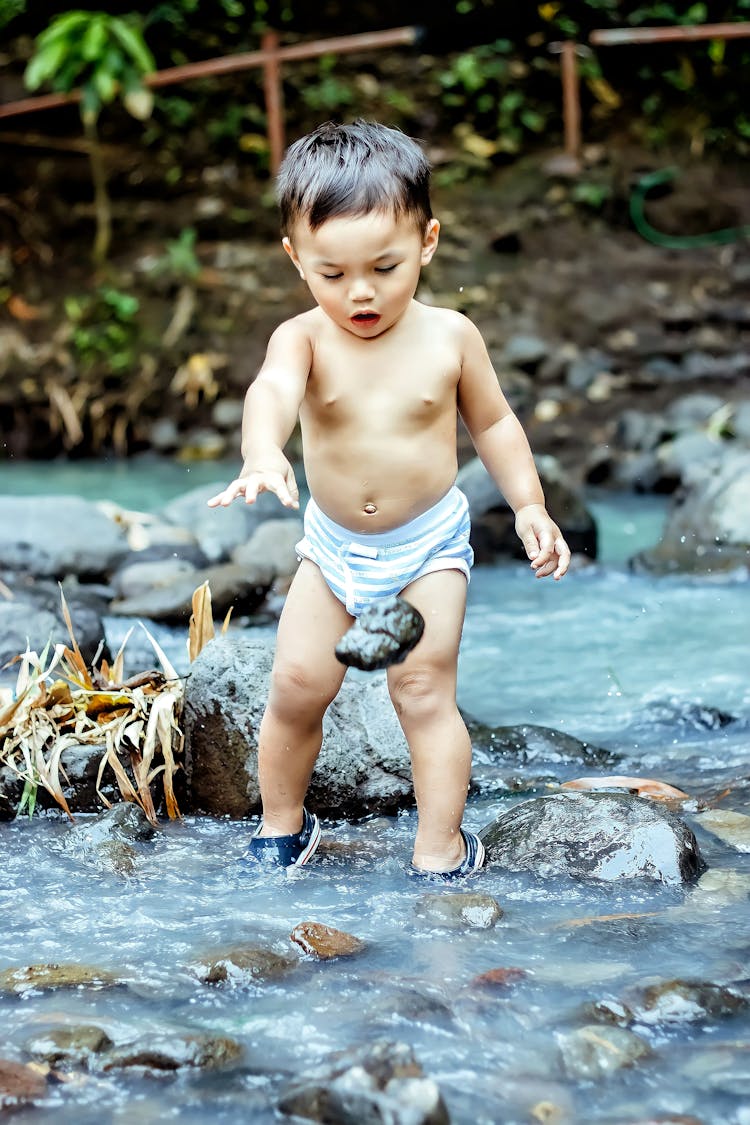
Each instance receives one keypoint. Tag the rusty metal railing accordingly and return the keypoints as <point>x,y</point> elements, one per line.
<point>270,57</point>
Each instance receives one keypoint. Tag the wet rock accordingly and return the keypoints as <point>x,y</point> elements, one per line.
<point>609,1011</point>
<point>384,633</point>
<point>364,764</point>
<point>533,744</point>
<point>493,523</point>
<point>684,1002</point>
<point>19,1084</point>
<point>57,535</point>
<point>138,578</point>
<point>459,910</point>
<point>379,1084</point>
<point>596,1051</point>
<point>220,530</point>
<point>242,965</point>
<point>686,714</point>
<point>604,836</point>
<point>325,943</point>
<point>271,545</point>
<point>707,531</point>
<point>107,840</point>
<point>231,586</point>
<point>640,786</point>
<point>173,1051</point>
<point>500,979</point>
<point>69,1045</point>
<point>417,1004</point>
<point>732,828</point>
<point>49,978</point>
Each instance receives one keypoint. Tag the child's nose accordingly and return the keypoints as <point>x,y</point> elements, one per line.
<point>361,290</point>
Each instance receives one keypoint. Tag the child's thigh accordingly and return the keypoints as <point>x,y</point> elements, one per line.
<point>312,621</point>
<point>441,599</point>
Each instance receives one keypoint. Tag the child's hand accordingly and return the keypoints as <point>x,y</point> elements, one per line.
<point>263,480</point>
<point>543,541</point>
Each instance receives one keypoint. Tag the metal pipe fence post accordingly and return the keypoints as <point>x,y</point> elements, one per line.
<point>274,97</point>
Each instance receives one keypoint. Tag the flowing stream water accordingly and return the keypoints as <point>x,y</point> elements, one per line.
<point>624,661</point>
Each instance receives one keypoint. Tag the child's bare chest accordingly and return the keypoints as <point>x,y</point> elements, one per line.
<point>382,381</point>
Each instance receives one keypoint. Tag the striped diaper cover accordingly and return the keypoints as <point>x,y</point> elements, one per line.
<point>360,570</point>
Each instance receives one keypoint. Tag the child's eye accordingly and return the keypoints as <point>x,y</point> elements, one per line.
<point>332,276</point>
<point>385,269</point>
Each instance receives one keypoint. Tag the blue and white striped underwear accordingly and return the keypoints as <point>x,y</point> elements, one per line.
<point>379,565</point>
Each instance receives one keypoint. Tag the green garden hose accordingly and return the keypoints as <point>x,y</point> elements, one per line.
<point>674,241</point>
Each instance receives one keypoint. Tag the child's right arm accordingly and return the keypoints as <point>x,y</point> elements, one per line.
<point>272,405</point>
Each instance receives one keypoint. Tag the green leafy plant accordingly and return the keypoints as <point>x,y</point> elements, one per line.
<point>107,58</point>
<point>105,330</point>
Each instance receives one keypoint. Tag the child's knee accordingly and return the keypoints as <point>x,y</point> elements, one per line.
<point>298,691</point>
<point>421,693</point>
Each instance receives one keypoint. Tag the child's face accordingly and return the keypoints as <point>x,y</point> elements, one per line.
<point>363,270</point>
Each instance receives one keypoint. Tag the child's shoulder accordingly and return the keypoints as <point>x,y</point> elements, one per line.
<point>449,320</point>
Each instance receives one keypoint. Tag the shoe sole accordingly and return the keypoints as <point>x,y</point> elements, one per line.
<point>312,845</point>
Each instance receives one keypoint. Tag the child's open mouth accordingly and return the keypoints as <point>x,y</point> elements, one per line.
<point>366,319</point>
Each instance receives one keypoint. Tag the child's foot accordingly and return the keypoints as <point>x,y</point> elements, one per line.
<point>472,862</point>
<point>288,851</point>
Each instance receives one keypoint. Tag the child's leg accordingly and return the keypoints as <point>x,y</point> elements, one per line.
<point>423,690</point>
<point>306,677</point>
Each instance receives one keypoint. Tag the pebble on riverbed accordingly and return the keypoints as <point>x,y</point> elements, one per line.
<point>325,943</point>
<point>460,911</point>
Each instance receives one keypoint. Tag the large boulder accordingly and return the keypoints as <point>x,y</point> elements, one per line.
<point>220,530</point>
<point>493,522</point>
<point>707,531</point>
<point>364,763</point>
<point>52,536</point>
<point>605,836</point>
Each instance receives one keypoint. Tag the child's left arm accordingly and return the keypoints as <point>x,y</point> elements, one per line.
<point>501,443</point>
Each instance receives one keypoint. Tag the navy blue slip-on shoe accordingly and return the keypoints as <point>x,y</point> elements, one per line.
<point>472,862</point>
<point>287,851</point>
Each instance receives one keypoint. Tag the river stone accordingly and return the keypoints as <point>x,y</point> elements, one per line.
<point>232,587</point>
<point>605,836</point>
<point>51,536</point>
<point>242,965</point>
<point>707,530</point>
<point>527,743</point>
<point>364,763</point>
<point>272,545</point>
<point>596,1050</point>
<point>107,839</point>
<point>499,979</point>
<point>23,624</point>
<point>732,828</point>
<point>220,530</point>
<point>460,910</point>
<point>384,633</point>
<point>684,1002</point>
<point>48,978</point>
<point>323,942</point>
<point>174,1051</point>
<point>380,1083</point>
<point>72,1044</point>
<point>19,1084</point>
<point>493,523</point>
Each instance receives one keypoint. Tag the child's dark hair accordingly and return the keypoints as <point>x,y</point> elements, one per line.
<point>351,170</point>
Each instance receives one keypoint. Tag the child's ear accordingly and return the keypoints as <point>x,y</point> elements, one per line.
<point>287,244</point>
<point>430,241</point>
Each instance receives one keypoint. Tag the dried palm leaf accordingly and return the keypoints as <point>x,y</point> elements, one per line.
<point>201,628</point>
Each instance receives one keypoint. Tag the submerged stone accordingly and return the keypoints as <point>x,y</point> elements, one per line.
<point>19,1084</point>
<point>384,633</point>
<point>460,910</point>
<point>242,965</point>
<point>603,836</point>
<point>528,743</point>
<point>71,1044</point>
<point>731,827</point>
<point>377,1083</point>
<point>47,978</point>
<point>172,1051</point>
<point>325,943</point>
<point>684,1002</point>
<point>597,1050</point>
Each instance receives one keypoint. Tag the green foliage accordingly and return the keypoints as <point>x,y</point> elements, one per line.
<point>489,85</point>
<point>180,260</point>
<point>104,55</point>
<point>9,9</point>
<point>105,330</point>
<point>330,93</point>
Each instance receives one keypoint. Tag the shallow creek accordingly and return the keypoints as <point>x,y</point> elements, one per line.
<point>606,656</point>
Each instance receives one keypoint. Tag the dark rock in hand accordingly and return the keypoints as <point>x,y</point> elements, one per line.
<point>383,634</point>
